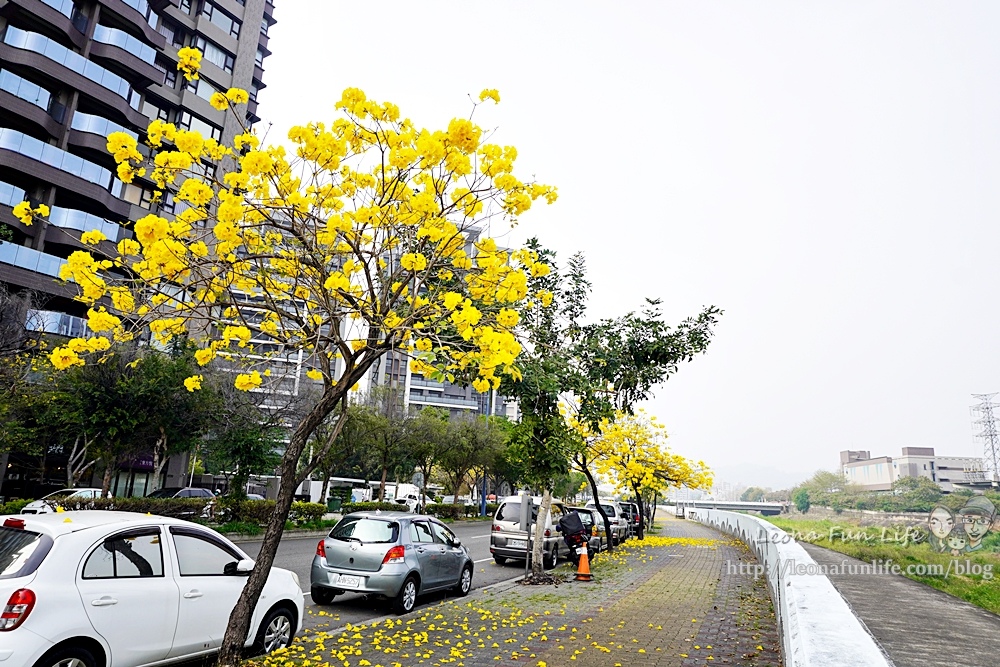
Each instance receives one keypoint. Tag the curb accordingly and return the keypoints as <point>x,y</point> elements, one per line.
<point>238,538</point>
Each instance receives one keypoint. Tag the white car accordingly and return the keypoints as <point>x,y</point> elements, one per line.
<point>118,589</point>
<point>48,503</point>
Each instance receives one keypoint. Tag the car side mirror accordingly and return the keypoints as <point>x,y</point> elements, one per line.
<point>455,542</point>
<point>239,568</point>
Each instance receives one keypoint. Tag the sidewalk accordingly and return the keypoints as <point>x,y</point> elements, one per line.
<point>917,626</point>
<point>670,601</point>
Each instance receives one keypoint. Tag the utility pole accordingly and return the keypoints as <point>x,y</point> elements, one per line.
<point>988,434</point>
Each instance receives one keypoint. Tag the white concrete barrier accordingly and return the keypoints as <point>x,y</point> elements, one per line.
<point>818,628</point>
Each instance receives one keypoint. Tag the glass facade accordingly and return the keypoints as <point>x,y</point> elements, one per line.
<point>57,323</point>
<point>10,195</point>
<point>69,218</point>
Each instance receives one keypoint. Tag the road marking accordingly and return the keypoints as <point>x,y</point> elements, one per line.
<point>479,537</point>
<point>483,560</point>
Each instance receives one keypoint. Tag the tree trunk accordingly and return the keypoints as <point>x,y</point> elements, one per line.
<point>537,551</point>
<point>74,469</point>
<point>600,510</point>
<point>642,514</point>
<point>381,486</point>
<point>109,470</point>
<point>326,486</point>
<point>239,620</point>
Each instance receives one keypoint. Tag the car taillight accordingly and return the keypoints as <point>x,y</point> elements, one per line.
<point>548,533</point>
<point>496,527</point>
<point>321,549</point>
<point>593,531</point>
<point>14,523</point>
<point>18,607</point>
<point>395,555</point>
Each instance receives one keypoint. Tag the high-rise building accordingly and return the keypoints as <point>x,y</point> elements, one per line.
<point>72,72</point>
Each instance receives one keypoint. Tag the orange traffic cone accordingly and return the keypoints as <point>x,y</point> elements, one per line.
<point>583,569</point>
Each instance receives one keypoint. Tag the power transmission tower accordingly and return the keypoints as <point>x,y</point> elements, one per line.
<point>988,434</point>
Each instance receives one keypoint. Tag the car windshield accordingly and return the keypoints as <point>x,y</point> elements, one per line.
<point>16,548</point>
<point>609,510</point>
<point>166,492</point>
<point>512,512</point>
<point>366,530</point>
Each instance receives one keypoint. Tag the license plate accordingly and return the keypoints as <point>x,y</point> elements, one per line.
<point>517,544</point>
<point>348,581</point>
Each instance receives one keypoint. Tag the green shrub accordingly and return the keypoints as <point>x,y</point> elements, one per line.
<point>305,512</point>
<point>446,511</point>
<point>14,506</point>
<point>347,508</point>
<point>257,512</point>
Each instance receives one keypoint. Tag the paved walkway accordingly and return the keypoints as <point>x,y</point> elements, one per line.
<point>674,604</point>
<point>917,626</point>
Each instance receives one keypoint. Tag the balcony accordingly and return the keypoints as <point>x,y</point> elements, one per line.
<point>126,42</point>
<point>455,401</point>
<point>32,260</point>
<point>68,218</point>
<point>59,54</point>
<point>30,147</point>
<point>60,324</point>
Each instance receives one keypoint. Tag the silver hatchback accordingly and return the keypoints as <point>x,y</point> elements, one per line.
<point>396,555</point>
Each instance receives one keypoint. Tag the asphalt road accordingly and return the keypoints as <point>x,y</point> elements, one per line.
<point>296,554</point>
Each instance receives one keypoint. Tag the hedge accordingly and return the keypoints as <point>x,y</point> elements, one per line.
<point>220,510</point>
<point>450,511</point>
<point>14,506</point>
<point>347,508</point>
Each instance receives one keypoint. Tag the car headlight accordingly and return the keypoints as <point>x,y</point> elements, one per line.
<point>295,578</point>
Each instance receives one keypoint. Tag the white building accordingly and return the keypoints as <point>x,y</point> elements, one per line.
<point>881,473</point>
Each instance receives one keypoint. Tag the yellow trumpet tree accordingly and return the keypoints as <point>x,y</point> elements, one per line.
<point>631,450</point>
<point>367,237</point>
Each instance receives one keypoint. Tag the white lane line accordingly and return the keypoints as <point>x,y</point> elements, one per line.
<point>483,560</point>
<point>479,537</point>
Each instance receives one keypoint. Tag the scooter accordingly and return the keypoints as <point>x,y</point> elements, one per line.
<point>576,536</point>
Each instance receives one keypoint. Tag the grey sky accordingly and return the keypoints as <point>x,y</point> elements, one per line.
<point>825,172</point>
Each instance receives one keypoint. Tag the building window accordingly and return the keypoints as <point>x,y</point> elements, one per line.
<point>186,6</point>
<point>138,195</point>
<point>260,58</point>
<point>214,54</point>
<point>151,110</point>
<point>201,88</point>
<point>189,122</point>
<point>169,72</point>
<point>223,20</point>
<point>264,25</point>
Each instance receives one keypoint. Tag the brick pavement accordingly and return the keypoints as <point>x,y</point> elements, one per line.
<point>671,605</point>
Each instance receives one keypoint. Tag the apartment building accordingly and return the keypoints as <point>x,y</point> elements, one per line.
<point>73,71</point>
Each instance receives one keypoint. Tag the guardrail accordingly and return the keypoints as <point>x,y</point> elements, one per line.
<point>818,628</point>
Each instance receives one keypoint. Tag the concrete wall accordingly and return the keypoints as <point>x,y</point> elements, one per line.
<point>818,628</point>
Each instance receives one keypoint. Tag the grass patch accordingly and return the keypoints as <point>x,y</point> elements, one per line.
<point>241,527</point>
<point>897,543</point>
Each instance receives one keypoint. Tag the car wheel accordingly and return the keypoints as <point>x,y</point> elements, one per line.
<point>464,584</point>
<point>406,599</point>
<point>552,561</point>
<point>275,631</point>
<point>499,560</point>
<point>69,656</point>
<point>322,595</point>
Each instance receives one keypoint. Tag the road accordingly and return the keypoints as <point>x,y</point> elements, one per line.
<point>296,554</point>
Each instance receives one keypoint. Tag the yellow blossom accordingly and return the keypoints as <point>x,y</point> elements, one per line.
<point>247,382</point>
<point>193,383</point>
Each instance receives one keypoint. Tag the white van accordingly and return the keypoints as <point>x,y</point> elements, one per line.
<point>617,518</point>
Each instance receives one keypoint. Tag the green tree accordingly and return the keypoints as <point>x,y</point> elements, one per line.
<point>801,500</point>
<point>428,443</point>
<point>754,494</point>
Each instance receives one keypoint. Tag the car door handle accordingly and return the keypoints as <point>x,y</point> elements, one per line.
<point>103,602</point>
<point>193,594</point>
<point>420,550</point>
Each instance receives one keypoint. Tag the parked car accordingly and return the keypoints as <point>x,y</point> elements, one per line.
<point>631,511</point>
<point>395,555</point>
<point>509,542</point>
<point>255,496</point>
<point>49,503</point>
<point>594,525</point>
<point>616,517</point>
<point>93,588</point>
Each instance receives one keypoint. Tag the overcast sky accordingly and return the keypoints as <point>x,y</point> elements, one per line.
<point>824,172</point>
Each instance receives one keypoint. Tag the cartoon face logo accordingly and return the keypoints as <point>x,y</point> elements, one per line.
<point>941,522</point>
<point>957,540</point>
<point>977,518</point>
